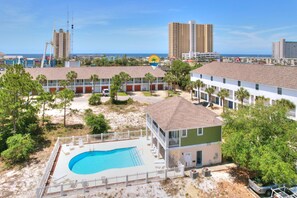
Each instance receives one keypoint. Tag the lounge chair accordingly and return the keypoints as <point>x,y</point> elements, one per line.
<point>66,150</point>
<point>161,161</point>
<point>73,184</point>
<point>71,145</point>
<point>160,166</point>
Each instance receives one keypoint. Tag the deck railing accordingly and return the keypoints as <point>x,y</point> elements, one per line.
<point>75,187</point>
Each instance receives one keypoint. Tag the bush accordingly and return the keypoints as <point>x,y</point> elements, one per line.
<point>97,123</point>
<point>95,99</point>
<point>19,149</point>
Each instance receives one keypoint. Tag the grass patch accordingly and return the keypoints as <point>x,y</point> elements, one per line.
<point>122,94</point>
<point>172,93</point>
<point>147,93</point>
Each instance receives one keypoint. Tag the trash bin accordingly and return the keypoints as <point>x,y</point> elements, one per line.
<point>193,174</point>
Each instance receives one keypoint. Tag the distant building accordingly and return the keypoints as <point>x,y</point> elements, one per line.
<point>272,82</point>
<point>284,49</point>
<point>72,63</point>
<point>61,43</point>
<point>189,38</point>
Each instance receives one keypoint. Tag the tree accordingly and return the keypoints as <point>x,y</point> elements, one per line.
<point>71,77</point>
<point>41,79</point>
<point>116,83</point>
<point>223,93</point>
<point>170,79</point>
<point>64,83</point>
<point>65,97</point>
<point>97,123</point>
<point>16,105</point>
<point>19,148</point>
<point>262,139</point>
<point>286,104</point>
<point>94,78</point>
<point>242,94</point>
<point>44,99</point>
<point>182,72</point>
<point>209,91</point>
<point>199,84</point>
<point>124,78</point>
<point>190,88</point>
<point>150,78</point>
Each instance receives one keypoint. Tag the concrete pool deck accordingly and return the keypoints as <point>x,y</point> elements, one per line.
<point>63,175</point>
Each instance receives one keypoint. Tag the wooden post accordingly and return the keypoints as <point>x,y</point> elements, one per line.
<point>126,180</point>
<point>146,177</point>
<point>101,137</point>
<point>165,172</point>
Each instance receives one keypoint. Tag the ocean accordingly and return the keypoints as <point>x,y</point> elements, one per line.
<point>142,55</point>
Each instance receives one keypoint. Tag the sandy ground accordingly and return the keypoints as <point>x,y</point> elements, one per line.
<point>21,182</point>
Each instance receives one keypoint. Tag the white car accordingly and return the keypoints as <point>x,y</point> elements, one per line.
<point>105,92</point>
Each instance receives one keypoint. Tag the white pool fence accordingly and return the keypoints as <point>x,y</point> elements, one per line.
<point>45,190</point>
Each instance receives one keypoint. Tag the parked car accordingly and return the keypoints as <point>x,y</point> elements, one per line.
<point>283,192</point>
<point>105,92</point>
<point>261,188</point>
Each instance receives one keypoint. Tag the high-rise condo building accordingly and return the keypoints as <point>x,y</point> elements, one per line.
<point>61,44</point>
<point>189,38</point>
<point>284,49</point>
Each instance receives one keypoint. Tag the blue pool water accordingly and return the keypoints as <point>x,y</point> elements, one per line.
<point>96,161</point>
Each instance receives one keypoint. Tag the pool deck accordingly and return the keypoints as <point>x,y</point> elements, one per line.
<point>62,174</point>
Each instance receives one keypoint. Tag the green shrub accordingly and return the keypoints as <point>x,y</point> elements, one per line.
<point>95,99</point>
<point>97,123</point>
<point>19,148</point>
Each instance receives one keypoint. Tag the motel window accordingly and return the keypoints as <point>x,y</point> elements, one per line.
<point>279,91</point>
<point>199,131</point>
<point>257,86</point>
<point>211,78</point>
<point>184,133</point>
<point>137,80</point>
<point>224,80</point>
<point>200,75</point>
<point>239,83</point>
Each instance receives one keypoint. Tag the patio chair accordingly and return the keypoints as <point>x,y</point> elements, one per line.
<point>71,145</point>
<point>73,184</point>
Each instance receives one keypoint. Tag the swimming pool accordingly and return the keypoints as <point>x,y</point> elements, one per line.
<point>96,161</point>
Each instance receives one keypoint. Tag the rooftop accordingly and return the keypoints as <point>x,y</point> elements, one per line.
<point>56,73</point>
<point>278,76</point>
<point>178,113</point>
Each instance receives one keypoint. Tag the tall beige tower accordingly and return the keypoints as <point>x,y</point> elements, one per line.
<point>189,38</point>
<point>61,43</point>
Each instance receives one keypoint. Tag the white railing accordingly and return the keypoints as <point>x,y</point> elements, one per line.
<point>73,187</point>
<point>49,165</point>
<point>87,139</point>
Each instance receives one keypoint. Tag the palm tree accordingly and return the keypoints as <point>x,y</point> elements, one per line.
<point>169,78</point>
<point>286,104</point>
<point>41,79</point>
<point>124,78</point>
<point>242,94</point>
<point>149,77</point>
<point>209,91</point>
<point>71,77</point>
<point>223,93</point>
<point>94,78</point>
<point>64,83</point>
<point>199,84</point>
<point>190,88</point>
<point>261,99</point>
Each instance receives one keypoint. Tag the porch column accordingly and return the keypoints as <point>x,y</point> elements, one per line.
<point>151,139</point>
<point>146,132</point>
<point>167,158</point>
<point>47,88</point>
<point>158,148</point>
<point>233,96</point>
<point>166,140</point>
<point>250,100</point>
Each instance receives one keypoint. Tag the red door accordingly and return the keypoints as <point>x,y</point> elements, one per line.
<point>88,90</point>
<point>160,87</point>
<point>79,90</point>
<point>153,87</point>
<point>129,88</point>
<point>137,87</point>
<point>52,90</point>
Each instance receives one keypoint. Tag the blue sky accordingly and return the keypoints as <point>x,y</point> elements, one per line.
<point>141,26</point>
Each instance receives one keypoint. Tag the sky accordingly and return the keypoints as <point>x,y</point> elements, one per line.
<point>141,26</point>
